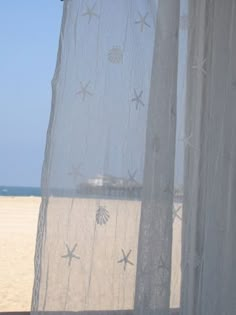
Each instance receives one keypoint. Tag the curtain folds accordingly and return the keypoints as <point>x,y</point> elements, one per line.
<point>143,104</point>
<point>155,235</point>
<point>209,283</point>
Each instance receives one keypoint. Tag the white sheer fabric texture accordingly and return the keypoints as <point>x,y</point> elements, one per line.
<point>112,236</point>
<point>209,281</point>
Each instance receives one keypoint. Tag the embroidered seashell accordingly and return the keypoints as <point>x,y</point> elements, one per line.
<point>102,216</point>
<point>115,55</point>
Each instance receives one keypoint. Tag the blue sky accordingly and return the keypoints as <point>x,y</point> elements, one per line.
<point>29,32</point>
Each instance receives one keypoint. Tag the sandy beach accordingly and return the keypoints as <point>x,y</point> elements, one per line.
<point>18,225</point>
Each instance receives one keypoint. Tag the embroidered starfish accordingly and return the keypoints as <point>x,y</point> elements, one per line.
<point>84,90</point>
<point>132,176</point>
<point>187,141</point>
<point>199,66</point>
<point>70,254</point>
<point>138,99</point>
<point>162,265</point>
<point>90,12</point>
<point>75,172</point>
<point>175,213</point>
<point>125,259</point>
<point>142,21</point>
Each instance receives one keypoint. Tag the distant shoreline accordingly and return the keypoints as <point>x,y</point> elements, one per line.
<point>16,191</point>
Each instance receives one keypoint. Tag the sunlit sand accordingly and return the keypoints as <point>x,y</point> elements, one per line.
<point>18,225</point>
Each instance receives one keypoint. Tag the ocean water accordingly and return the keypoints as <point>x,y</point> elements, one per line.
<point>35,191</point>
<point>19,191</point>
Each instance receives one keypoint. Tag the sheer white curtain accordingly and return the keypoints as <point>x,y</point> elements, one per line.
<point>111,227</point>
<point>209,252</point>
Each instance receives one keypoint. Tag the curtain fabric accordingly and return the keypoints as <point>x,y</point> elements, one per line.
<point>107,163</point>
<point>209,282</point>
<point>112,236</point>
